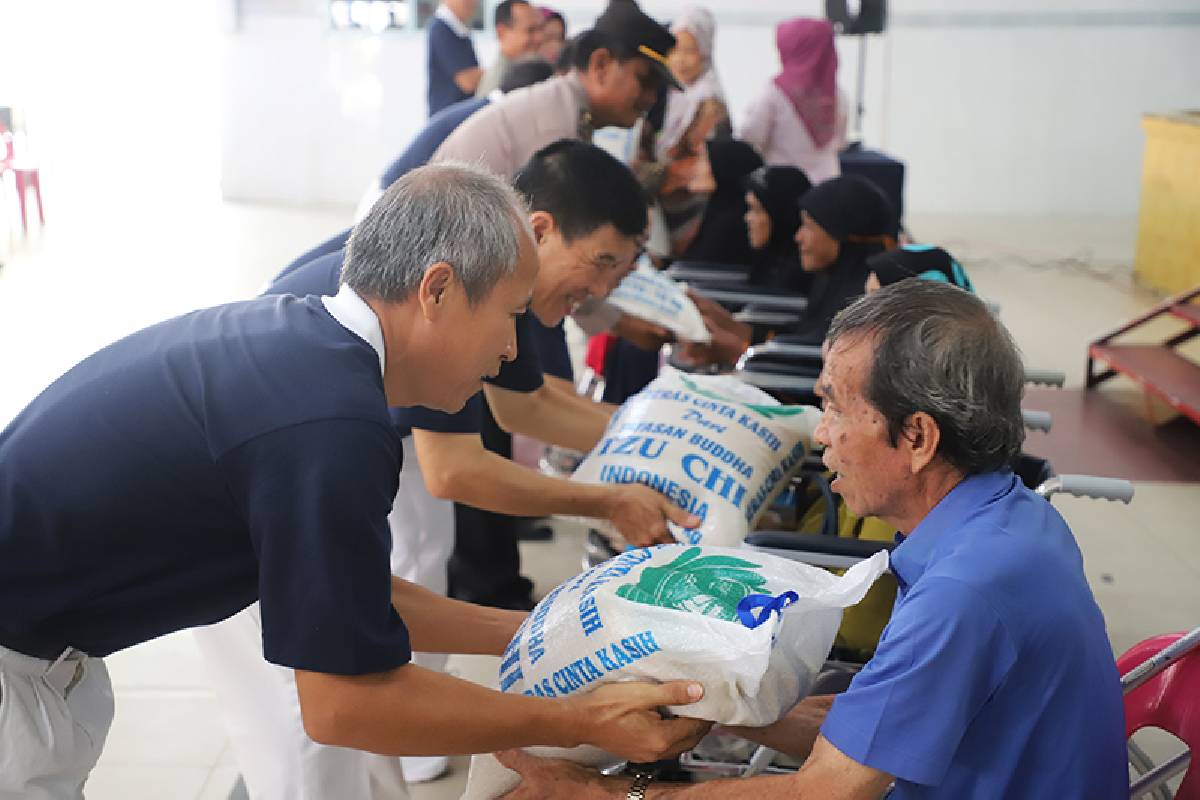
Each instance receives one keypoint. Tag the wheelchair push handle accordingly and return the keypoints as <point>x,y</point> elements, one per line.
<point>1088,486</point>
<point>1045,377</point>
<point>1036,420</point>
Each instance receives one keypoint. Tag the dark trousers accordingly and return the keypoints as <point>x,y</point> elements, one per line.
<point>486,565</point>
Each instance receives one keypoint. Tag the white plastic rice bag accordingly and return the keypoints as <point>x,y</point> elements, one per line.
<point>753,628</point>
<point>648,294</point>
<point>717,447</point>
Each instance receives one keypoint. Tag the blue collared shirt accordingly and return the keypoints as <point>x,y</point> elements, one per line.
<point>994,677</point>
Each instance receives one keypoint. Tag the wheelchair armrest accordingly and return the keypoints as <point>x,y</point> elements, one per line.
<point>1036,420</point>
<point>805,387</point>
<point>1087,486</point>
<point>753,315</point>
<point>774,355</point>
<point>810,352</point>
<point>697,274</point>
<point>731,296</point>
<point>1045,377</point>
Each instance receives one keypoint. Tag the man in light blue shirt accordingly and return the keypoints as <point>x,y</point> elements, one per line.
<point>994,678</point>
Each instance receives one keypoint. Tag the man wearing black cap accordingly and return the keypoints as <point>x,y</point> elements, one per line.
<point>619,67</point>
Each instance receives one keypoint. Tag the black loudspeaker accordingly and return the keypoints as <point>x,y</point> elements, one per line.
<point>857,16</point>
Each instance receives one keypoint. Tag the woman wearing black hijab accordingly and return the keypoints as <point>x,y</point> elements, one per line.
<point>772,219</point>
<point>916,261</point>
<point>843,222</point>
<point>722,238</point>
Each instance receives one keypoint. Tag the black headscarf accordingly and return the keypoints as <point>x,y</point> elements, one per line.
<point>777,264</point>
<point>861,218</point>
<point>918,261</point>
<point>722,236</point>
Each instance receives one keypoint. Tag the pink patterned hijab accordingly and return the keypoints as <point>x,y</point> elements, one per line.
<point>809,76</point>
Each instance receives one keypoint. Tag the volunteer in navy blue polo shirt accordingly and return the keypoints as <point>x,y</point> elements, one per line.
<point>586,241</point>
<point>452,68</point>
<point>422,148</point>
<point>246,452</point>
<point>994,678</point>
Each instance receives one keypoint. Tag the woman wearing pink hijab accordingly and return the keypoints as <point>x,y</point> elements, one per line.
<point>800,118</point>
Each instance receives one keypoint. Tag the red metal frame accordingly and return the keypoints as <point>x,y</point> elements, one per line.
<point>1157,368</point>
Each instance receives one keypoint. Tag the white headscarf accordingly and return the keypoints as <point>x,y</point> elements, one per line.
<point>682,106</point>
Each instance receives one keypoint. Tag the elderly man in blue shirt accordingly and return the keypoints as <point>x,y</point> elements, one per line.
<point>994,677</point>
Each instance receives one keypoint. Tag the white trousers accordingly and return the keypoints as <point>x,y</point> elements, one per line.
<point>54,718</point>
<point>262,713</point>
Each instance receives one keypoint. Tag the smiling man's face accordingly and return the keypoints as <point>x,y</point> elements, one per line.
<point>574,270</point>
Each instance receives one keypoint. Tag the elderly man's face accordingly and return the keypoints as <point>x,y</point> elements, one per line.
<point>872,475</point>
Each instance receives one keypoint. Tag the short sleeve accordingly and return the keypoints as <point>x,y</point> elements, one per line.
<point>468,420</point>
<point>316,497</point>
<point>524,373</point>
<point>941,657</point>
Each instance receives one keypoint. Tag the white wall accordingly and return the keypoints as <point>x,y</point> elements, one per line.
<point>1018,111</point>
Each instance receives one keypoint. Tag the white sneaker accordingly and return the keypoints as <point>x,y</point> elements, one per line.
<point>422,769</point>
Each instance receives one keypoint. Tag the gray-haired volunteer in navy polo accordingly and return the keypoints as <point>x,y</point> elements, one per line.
<point>585,243</point>
<point>994,679</point>
<point>246,452</point>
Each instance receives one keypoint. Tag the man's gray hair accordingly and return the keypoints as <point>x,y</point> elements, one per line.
<point>456,213</point>
<point>939,350</point>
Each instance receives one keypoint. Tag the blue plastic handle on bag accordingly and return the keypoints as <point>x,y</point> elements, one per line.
<point>765,605</point>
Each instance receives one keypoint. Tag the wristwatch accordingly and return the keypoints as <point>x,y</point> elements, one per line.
<point>641,780</point>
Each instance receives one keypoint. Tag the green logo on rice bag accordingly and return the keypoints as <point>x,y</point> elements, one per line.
<point>708,585</point>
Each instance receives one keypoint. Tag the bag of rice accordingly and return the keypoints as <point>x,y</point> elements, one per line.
<point>717,447</point>
<point>648,294</point>
<point>753,628</point>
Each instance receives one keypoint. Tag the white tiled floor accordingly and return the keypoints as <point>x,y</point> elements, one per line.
<point>115,259</point>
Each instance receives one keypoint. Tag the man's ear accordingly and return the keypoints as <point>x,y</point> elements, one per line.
<point>543,224</point>
<point>922,437</point>
<point>600,62</point>
<point>434,290</point>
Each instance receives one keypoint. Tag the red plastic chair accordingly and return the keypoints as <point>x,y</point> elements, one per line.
<point>1169,698</point>
<point>26,178</point>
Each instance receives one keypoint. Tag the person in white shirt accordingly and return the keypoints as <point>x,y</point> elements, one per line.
<point>800,117</point>
<point>692,65</point>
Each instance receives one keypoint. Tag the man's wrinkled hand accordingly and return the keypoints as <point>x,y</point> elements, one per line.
<point>553,779</point>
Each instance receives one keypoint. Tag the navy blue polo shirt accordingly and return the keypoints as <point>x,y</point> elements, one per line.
<point>333,244</point>
<point>237,453</point>
<point>553,351</point>
<point>448,54</point>
<point>437,129</point>
<point>994,677</point>
<point>523,374</point>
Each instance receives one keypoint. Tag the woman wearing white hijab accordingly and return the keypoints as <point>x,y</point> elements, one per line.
<point>700,107</point>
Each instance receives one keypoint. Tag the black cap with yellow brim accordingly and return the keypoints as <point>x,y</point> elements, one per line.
<point>628,24</point>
